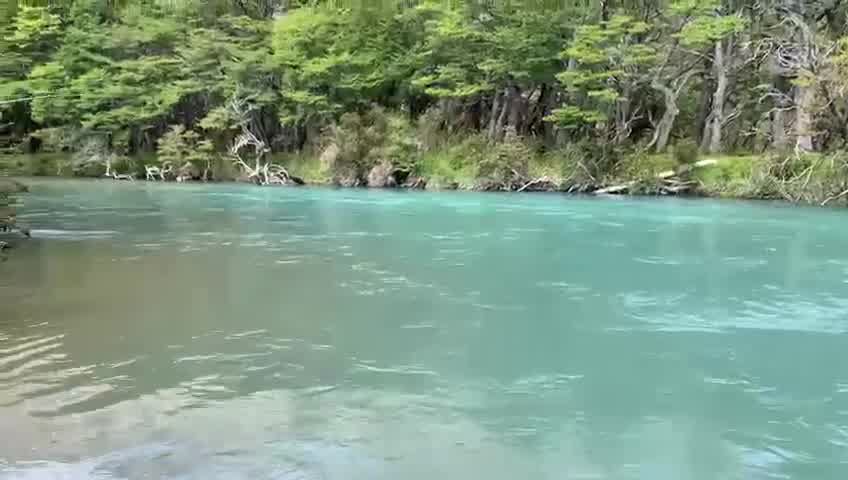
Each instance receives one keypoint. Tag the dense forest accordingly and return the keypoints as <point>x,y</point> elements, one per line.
<point>571,95</point>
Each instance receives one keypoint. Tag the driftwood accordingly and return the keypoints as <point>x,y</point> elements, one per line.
<point>262,172</point>
<point>153,171</point>
<point>615,189</point>
<point>537,181</point>
<point>123,176</point>
<point>669,184</point>
<point>834,197</point>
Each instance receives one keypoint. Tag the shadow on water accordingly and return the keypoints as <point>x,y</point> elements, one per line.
<point>213,332</point>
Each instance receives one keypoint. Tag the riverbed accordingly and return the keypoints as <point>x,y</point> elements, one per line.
<point>229,331</point>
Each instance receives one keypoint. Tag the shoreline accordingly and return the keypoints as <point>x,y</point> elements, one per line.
<point>694,197</point>
<point>729,178</point>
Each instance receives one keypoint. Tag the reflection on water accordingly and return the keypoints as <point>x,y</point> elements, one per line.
<point>224,331</point>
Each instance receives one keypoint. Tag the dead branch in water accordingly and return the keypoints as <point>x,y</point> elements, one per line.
<point>262,172</point>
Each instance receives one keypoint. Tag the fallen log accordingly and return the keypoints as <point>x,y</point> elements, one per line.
<point>615,189</point>
<point>664,176</point>
<point>533,182</point>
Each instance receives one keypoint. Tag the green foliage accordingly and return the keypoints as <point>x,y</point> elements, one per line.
<point>731,176</point>
<point>610,60</point>
<point>704,30</point>
<point>332,61</point>
<point>504,166</point>
<point>179,146</point>
<point>371,138</point>
<point>486,93</point>
<point>453,163</point>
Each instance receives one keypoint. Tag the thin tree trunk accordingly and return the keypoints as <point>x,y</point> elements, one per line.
<point>605,9</point>
<point>536,115</point>
<point>552,100</point>
<point>666,123</point>
<point>778,128</point>
<point>705,113</point>
<point>662,130</point>
<point>719,98</point>
<point>493,115</point>
<point>502,118</point>
<point>665,126</point>
<point>804,96</point>
<point>622,118</point>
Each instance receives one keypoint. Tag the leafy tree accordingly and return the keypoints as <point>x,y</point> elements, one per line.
<point>726,75</point>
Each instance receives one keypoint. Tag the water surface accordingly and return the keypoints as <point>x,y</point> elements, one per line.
<point>203,332</point>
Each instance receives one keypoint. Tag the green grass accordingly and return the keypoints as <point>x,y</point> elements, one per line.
<point>549,166</point>
<point>449,165</point>
<point>731,177</point>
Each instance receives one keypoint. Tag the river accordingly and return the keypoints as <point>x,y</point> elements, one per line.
<point>226,331</point>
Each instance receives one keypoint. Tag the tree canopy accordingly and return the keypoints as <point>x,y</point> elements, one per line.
<point>728,75</point>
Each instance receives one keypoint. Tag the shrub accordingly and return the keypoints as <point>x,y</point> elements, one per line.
<point>505,165</point>
<point>179,145</point>
<point>187,150</point>
<point>361,141</point>
<point>686,152</point>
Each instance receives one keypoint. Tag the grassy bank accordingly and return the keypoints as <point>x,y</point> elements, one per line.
<point>471,164</point>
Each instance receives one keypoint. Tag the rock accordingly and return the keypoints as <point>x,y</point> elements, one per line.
<point>329,156</point>
<point>381,176</point>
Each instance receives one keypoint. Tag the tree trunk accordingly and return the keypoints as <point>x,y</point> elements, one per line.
<point>670,94</point>
<point>552,100</point>
<point>778,129</point>
<point>622,117</point>
<point>705,109</point>
<point>716,120</point>
<point>502,117</point>
<point>662,130</point>
<point>517,108</point>
<point>494,114</point>
<point>605,9</point>
<point>536,115</point>
<point>804,96</point>
<point>664,127</point>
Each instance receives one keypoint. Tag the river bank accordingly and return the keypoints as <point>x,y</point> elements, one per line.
<point>812,179</point>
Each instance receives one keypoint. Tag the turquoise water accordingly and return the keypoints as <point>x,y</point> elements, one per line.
<point>201,332</point>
